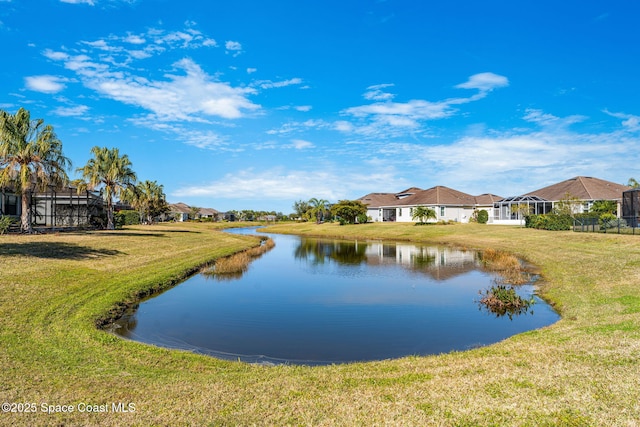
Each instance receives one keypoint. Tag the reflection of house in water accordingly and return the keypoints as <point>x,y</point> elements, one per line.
<point>438,262</point>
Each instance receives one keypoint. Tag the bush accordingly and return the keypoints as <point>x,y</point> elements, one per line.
<point>611,221</point>
<point>362,218</point>
<point>482,217</point>
<point>5,223</point>
<point>553,222</point>
<point>127,217</point>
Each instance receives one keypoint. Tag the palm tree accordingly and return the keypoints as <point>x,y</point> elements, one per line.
<point>423,214</point>
<point>110,171</point>
<point>31,159</point>
<point>318,208</point>
<point>148,198</point>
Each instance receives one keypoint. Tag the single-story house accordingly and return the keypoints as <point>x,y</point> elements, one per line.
<point>582,190</point>
<point>56,207</point>
<point>380,205</point>
<point>454,205</point>
<point>209,213</point>
<point>182,212</point>
<point>179,211</point>
<point>448,204</point>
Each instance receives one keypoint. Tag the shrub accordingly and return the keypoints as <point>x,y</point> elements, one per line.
<point>5,223</point>
<point>482,217</point>
<point>553,222</point>
<point>502,300</point>
<point>611,221</point>
<point>362,218</point>
<point>127,217</point>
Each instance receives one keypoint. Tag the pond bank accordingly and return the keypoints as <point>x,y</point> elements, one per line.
<point>580,371</point>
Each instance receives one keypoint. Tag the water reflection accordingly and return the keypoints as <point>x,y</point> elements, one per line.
<point>439,263</point>
<point>321,301</point>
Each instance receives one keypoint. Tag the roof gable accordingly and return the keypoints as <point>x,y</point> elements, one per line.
<point>374,200</point>
<point>439,195</point>
<point>583,188</point>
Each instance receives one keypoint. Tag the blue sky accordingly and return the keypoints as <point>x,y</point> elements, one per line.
<point>254,105</point>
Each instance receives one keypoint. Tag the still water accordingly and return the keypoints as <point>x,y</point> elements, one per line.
<point>322,301</point>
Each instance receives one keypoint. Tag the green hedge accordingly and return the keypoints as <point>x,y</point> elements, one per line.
<point>127,217</point>
<point>551,221</point>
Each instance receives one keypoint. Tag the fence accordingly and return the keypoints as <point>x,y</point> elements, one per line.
<point>613,226</point>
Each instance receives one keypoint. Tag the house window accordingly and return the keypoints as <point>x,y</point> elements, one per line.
<point>399,211</point>
<point>11,205</point>
<point>441,210</point>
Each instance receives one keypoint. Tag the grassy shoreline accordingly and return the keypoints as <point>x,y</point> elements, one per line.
<point>581,371</point>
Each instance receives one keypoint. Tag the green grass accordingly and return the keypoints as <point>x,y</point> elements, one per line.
<point>583,370</point>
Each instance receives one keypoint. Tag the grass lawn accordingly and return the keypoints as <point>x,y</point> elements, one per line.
<point>584,370</point>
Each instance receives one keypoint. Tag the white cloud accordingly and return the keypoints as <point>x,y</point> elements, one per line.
<point>231,45</point>
<point>283,83</point>
<point>205,139</point>
<point>45,83</point>
<point>513,163</point>
<point>300,144</point>
<point>385,118</point>
<point>484,82</point>
<point>375,93</point>
<point>630,121</point>
<point>278,184</point>
<point>89,2</point>
<point>251,70</point>
<point>303,108</point>
<point>549,120</point>
<point>79,110</point>
<point>135,39</point>
<point>189,95</point>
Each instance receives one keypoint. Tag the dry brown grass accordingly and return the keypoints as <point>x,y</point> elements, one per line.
<point>508,265</point>
<point>238,263</point>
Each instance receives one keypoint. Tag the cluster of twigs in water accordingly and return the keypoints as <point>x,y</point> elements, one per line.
<point>236,264</point>
<point>503,300</point>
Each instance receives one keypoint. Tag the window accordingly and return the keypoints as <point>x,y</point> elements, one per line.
<point>441,210</point>
<point>399,211</point>
<point>11,205</point>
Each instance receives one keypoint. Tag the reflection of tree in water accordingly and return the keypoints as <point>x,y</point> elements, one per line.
<point>423,259</point>
<point>319,251</point>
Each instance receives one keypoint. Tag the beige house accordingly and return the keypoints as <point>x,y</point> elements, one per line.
<point>448,204</point>
<point>585,190</point>
<point>181,212</point>
<point>454,205</point>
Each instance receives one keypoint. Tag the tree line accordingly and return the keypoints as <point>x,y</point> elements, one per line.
<point>31,160</point>
<point>320,210</point>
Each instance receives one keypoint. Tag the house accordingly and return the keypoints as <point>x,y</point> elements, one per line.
<point>380,205</point>
<point>182,212</point>
<point>179,211</point>
<point>56,207</point>
<point>213,214</point>
<point>448,204</point>
<point>454,205</point>
<point>583,190</point>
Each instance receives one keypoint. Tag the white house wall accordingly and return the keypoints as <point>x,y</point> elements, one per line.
<point>451,213</point>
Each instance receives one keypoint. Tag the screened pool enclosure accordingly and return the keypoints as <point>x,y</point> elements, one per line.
<point>516,208</point>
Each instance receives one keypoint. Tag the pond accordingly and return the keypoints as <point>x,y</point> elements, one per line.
<point>322,301</point>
